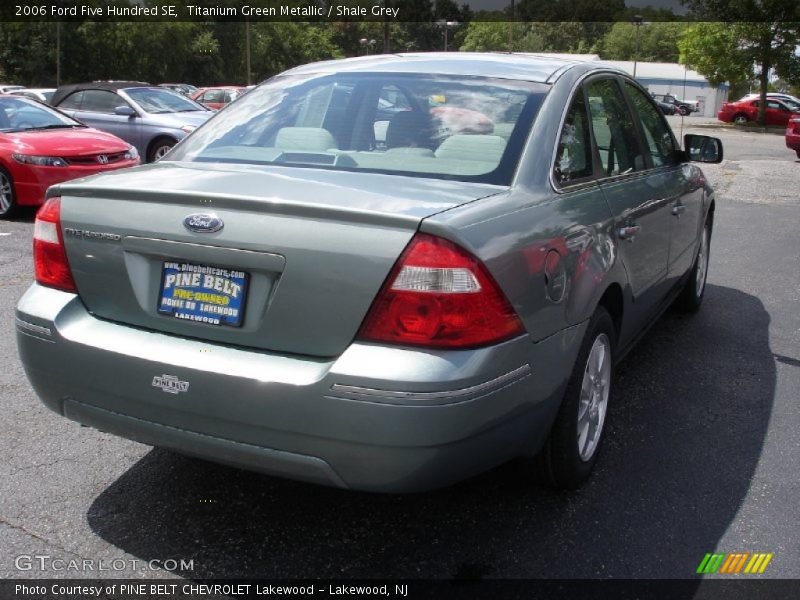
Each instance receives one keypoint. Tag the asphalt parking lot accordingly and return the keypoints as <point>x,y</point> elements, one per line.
<point>703,452</point>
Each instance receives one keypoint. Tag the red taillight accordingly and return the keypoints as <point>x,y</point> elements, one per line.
<point>439,296</point>
<point>49,257</point>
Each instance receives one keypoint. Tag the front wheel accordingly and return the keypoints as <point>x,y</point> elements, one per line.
<point>571,449</point>
<point>740,119</point>
<point>691,297</point>
<point>8,198</point>
<point>684,111</point>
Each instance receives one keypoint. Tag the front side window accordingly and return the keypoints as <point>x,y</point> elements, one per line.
<point>574,154</point>
<point>468,128</point>
<point>658,137</point>
<point>160,101</point>
<point>613,129</point>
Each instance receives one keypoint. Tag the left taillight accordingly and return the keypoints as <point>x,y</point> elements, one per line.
<point>49,255</point>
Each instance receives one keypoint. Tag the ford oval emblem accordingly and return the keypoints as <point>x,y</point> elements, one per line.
<point>203,223</point>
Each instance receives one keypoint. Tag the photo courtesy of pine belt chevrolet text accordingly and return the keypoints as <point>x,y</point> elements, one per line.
<point>386,273</point>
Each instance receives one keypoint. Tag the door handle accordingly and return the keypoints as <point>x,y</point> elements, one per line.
<point>628,232</point>
<point>678,209</point>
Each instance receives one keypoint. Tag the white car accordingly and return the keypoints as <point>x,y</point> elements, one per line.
<point>42,95</point>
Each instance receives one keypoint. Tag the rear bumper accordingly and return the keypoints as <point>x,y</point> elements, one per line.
<point>792,140</point>
<point>375,418</point>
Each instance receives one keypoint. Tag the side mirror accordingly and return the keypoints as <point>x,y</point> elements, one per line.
<point>702,148</point>
<point>124,110</point>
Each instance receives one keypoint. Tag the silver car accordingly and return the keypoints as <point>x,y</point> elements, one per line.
<point>289,292</point>
<point>153,119</point>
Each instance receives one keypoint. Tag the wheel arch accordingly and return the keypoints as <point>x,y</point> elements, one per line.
<point>157,138</point>
<point>613,302</point>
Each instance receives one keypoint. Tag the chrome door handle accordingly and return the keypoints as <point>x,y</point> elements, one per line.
<point>678,209</point>
<point>628,232</point>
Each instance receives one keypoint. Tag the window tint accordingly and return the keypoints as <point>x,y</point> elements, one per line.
<point>574,153</point>
<point>72,102</point>
<point>613,129</point>
<point>660,143</point>
<point>101,101</point>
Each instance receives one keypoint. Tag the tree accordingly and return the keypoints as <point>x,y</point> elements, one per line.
<point>658,42</point>
<point>767,37</point>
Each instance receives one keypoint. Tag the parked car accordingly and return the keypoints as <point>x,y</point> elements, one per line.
<point>667,108</point>
<point>40,147</point>
<point>182,88</point>
<point>785,98</point>
<point>218,97</point>
<point>5,88</point>
<point>777,112</point>
<point>280,294</point>
<point>793,134</point>
<point>684,107</point>
<point>153,119</point>
<point>42,95</point>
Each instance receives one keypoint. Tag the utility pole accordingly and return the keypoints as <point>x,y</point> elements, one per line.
<point>637,22</point>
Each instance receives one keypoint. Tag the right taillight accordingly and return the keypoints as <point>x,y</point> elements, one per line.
<point>796,124</point>
<point>49,256</point>
<point>440,296</point>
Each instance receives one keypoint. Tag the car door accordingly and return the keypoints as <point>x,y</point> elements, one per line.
<point>97,109</point>
<point>777,113</point>
<point>635,195</point>
<point>671,178</point>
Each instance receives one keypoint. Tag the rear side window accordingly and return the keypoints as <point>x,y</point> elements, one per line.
<point>613,129</point>
<point>101,101</point>
<point>659,140</point>
<point>72,102</point>
<point>574,154</point>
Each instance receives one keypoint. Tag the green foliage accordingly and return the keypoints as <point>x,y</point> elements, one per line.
<point>658,42</point>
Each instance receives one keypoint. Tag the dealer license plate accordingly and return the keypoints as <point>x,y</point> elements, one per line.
<point>203,294</point>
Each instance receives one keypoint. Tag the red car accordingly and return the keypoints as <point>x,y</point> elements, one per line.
<point>217,97</point>
<point>793,135</point>
<point>777,112</point>
<point>40,146</point>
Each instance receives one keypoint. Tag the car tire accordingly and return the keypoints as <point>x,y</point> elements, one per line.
<point>8,195</point>
<point>798,153</point>
<point>571,450</point>
<point>740,118</point>
<point>159,147</point>
<point>691,296</point>
<point>684,111</point>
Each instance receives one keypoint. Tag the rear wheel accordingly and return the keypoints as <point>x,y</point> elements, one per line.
<point>159,148</point>
<point>571,450</point>
<point>684,110</point>
<point>740,118</point>
<point>798,153</point>
<point>8,198</point>
<point>691,297</point>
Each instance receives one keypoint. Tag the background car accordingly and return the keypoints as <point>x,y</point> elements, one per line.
<point>287,296</point>
<point>218,97</point>
<point>793,134</point>
<point>40,147</point>
<point>42,95</point>
<point>684,107</point>
<point>182,88</point>
<point>777,112</point>
<point>785,98</point>
<point>151,118</point>
<point>6,88</point>
<point>667,108</point>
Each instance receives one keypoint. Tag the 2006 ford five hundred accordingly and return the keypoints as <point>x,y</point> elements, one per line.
<point>385,273</point>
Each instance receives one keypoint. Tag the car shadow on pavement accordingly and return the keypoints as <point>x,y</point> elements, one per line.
<point>688,419</point>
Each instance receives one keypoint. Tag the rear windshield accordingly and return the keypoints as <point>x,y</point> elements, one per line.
<point>159,100</point>
<point>465,128</point>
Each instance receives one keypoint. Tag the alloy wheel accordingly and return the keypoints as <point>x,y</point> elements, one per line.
<point>594,397</point>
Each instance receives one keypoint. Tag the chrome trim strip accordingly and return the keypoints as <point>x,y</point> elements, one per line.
<point>502,380</point>
<point>32,328</point>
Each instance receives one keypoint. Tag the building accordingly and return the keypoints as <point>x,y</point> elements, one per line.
<point>668,78</point>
